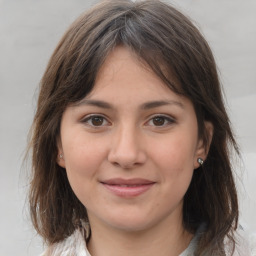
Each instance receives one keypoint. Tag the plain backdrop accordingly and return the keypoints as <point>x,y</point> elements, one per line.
<point>29,32</point>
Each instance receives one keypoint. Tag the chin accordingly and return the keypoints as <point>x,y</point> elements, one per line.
<point>131,223</point>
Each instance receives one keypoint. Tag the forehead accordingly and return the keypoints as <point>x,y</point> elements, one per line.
<point>123,67</point>
<point>124,81</point>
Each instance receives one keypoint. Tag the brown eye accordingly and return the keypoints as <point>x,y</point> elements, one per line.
<point>97,120</point>
<point>159,121</point>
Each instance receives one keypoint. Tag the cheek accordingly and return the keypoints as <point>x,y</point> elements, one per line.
<point>175,162</point>
<point>176,153</point>
<point>82,161</point>
<point>82,153</point>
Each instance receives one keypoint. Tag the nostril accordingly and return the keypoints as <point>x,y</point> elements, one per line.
<point>123,165</point>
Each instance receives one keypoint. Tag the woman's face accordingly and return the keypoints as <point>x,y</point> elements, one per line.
<point>130,147</point>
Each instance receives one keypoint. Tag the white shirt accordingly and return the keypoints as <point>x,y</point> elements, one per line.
<point>75,245</point>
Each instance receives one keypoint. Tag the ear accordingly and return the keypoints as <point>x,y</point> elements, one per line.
<point>60,157</point>
<point>203,145</point>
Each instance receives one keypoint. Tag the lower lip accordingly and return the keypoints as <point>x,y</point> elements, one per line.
<point>129,191</point>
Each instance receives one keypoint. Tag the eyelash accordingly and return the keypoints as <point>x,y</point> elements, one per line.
<point>167,121</point>
<point>88,120</point>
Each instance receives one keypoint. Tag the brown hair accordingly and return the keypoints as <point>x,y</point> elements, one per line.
<point>169,43</point>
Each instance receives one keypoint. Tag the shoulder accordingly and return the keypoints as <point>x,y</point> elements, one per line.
<point>245,242</point>
<point>73,245</point>
<point>252,242</point>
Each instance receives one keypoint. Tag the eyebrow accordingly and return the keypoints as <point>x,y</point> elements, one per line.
<point>155,104</point>
<point>96,103</point>
<point>144,106</point>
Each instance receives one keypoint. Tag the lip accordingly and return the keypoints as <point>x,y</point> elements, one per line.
<point>128,187</point>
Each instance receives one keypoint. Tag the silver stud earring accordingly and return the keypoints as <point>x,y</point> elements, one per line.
<point>61,156</point>
<point>200,161</point>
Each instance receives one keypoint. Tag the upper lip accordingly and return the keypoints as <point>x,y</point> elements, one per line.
<point>121,181</point>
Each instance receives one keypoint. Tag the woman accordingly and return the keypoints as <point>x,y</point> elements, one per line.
<point>131,140</point>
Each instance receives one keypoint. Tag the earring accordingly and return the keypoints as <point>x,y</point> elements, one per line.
<point>200,161</point>
<point>61,156</point>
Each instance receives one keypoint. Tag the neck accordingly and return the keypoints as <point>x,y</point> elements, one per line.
<point>161,240</point>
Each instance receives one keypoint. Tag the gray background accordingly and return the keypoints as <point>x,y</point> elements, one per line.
<point>29,31</point>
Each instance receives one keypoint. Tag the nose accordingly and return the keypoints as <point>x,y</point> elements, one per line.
<point>127,150</point>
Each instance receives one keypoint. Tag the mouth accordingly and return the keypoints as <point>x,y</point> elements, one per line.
<point>127,187</point>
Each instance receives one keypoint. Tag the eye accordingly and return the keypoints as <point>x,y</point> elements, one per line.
<point>96,121</point>
<point>160,121</point>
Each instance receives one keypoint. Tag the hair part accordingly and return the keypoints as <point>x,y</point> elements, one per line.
<point>167,42</point>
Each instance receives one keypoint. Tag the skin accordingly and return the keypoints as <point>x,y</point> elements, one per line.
<point>131,137</point>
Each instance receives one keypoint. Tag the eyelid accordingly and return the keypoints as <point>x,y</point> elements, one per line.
<point>171,120</point>
<point>87,118</point>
